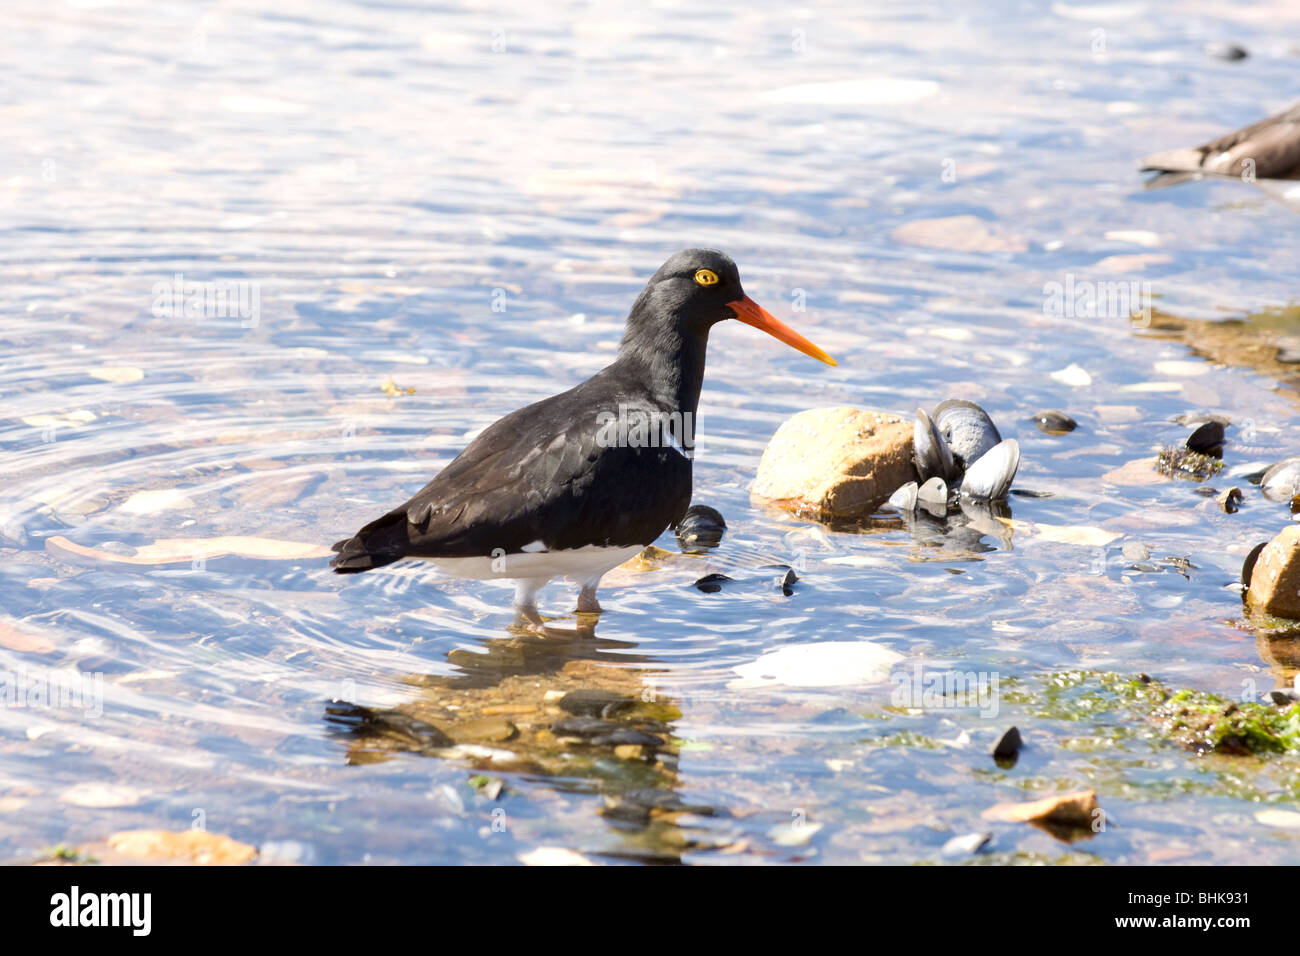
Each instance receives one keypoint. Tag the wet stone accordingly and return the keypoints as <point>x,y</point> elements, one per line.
<point>1221,50</point>
<point>712,583</point>
<point>483,730</point>
<point>835,462</point>
<point>1275,577</point>
<point>593,702</point>
<point>1135,551</point>
<point>701,528</point>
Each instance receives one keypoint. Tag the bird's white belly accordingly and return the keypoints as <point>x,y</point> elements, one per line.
<point>581,564</point>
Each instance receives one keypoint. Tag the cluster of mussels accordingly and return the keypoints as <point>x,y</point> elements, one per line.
<point>958,454</point>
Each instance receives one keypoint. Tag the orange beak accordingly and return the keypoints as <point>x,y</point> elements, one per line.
<point>751,313</point>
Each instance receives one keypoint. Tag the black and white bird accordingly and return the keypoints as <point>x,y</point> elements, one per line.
<point>576,484</point>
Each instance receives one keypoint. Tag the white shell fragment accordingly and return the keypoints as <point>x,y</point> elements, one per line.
<point>904,499</point>
<point>933,496</point>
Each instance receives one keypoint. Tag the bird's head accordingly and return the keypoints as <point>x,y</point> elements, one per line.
<point>698,288</point>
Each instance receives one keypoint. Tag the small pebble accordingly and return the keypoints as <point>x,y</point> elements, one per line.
<point>712,583</point>
<point>1135,551</point>
<point>1221,50</point>
<point>700,529</point>
<point>966,845</point>
<point>1054,422</point>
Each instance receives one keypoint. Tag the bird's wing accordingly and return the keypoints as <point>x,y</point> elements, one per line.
<point>539,474</point>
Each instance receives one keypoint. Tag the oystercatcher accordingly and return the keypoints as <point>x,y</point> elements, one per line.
<point>577,483</point>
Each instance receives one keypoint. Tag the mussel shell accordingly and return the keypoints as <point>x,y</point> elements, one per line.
<point>967,429</point>
<point>904,499</point>
<point>930,452</point>
<point>1248,566</point>
<point>933,496</point>
<point>991,475</point>
<point>1055,422</point>
<point>1282,481</point>
<point>1207,439</point>
<point>701,528</point>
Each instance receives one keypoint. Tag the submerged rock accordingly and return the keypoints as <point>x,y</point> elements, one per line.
<point>835,462</point>
<point>1078,811</point>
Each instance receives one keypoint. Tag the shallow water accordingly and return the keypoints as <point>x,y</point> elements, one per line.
<point>465,201</point>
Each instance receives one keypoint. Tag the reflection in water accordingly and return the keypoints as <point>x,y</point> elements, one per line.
<point>563,706</point>
<point>966,530</point>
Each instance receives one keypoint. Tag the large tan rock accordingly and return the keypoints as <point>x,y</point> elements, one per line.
<point>1275,581</point>
<point>835,462</point>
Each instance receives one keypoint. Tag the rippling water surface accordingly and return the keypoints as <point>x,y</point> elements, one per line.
<point>463,201</point>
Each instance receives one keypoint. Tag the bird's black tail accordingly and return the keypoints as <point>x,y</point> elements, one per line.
<point>381,542</point>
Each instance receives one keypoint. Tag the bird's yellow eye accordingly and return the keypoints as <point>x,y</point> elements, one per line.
<point>706,277</point>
